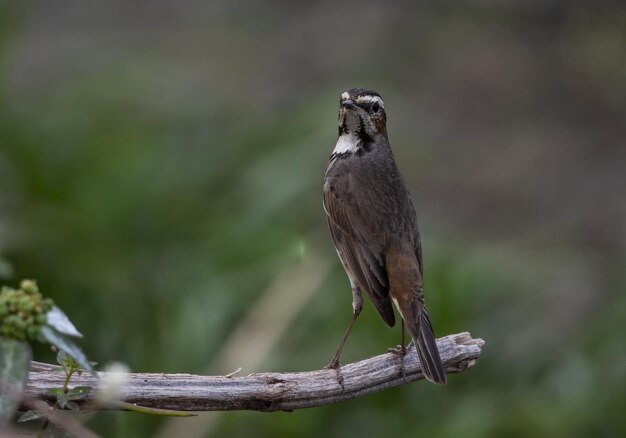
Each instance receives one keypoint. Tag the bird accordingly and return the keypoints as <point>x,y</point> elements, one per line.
<point>373,226</point>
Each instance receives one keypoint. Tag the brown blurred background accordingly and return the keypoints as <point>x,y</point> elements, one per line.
<point>161,166</point>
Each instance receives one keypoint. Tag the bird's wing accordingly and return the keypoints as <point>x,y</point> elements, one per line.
<point>417,241</point>
<point>361,256</point>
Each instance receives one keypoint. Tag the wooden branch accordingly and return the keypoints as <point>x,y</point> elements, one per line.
<point>269,391</point>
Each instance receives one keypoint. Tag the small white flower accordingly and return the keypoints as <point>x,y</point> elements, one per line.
<point>112,382</point>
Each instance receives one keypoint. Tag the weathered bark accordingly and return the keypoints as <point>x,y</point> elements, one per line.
<point>269,391</point>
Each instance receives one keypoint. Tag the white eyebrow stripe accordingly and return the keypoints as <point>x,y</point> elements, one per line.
<point>371,99</point>
<point>345,95</point>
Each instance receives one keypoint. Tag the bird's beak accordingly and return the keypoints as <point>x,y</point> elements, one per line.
<point>348,104</point>
<point>349,118</point>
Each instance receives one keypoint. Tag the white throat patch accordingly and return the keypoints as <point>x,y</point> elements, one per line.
<point>347,142</point>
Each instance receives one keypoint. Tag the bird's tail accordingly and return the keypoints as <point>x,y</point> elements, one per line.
<point>421,330</point>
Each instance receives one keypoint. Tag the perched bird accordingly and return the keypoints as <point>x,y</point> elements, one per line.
<point>374,228</point>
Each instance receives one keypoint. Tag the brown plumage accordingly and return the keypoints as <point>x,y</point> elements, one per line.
<point>374,227</point>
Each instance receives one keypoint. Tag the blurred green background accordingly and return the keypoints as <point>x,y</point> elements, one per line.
<point>161,168</point>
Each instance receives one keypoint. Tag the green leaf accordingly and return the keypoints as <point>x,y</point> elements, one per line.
<point>66,361</point>
<point>55,391</point>
<point>14,366</point>
<point>79,392</point>
<point>59,321</point>
<point>65,344</point>
<point>29,416</point>
<point>73,406</point>
<point>62,400</point>
<point>62,358</point>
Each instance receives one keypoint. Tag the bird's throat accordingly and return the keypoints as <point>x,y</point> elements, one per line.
<point>348,142</point>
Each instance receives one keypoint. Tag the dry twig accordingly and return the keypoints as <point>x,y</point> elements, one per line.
<point>270,391</point>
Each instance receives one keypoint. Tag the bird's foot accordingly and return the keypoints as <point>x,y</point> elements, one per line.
<point>333,365</point>
<point>400,350</point>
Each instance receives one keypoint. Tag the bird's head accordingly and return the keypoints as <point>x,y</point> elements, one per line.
<point>362,114</point>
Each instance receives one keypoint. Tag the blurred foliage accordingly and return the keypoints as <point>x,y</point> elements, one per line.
<point>161,164</point>
<point>23,311</point>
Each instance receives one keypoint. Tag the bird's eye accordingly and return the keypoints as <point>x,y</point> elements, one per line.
<point>375,107</point>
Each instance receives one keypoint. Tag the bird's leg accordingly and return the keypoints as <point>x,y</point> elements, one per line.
<point>403,348</point>
<point>357,305</point>
<point>400,349</point>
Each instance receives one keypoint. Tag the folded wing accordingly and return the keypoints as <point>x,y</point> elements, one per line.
<point>362,256</point>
